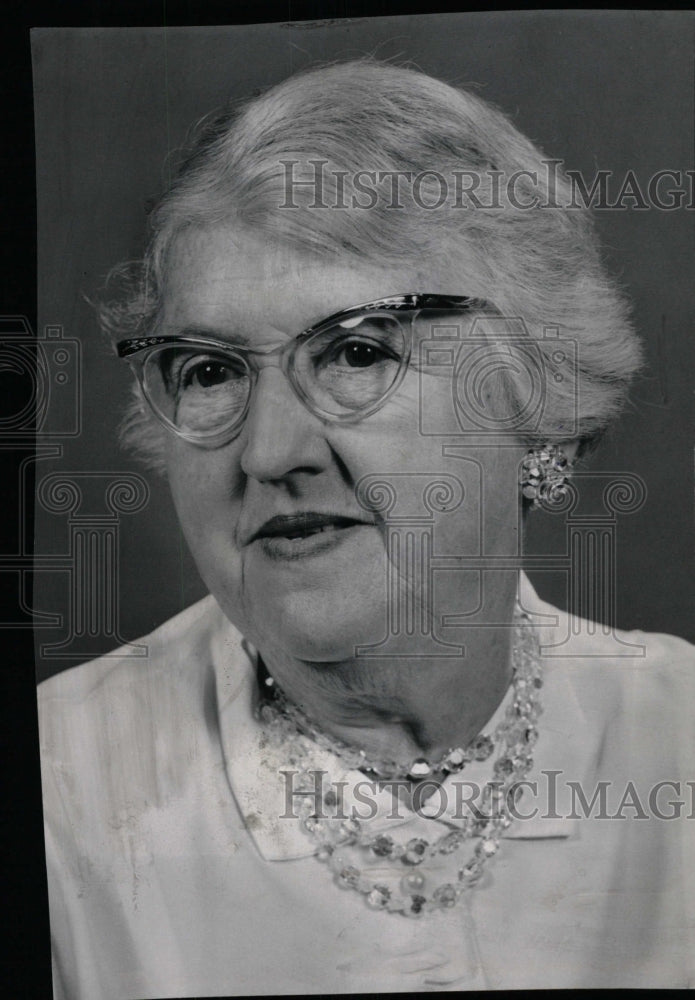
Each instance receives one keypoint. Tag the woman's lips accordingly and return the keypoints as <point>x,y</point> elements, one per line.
<point>293,536</point>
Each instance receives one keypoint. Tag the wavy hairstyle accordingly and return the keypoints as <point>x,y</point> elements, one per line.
<point>542,264</point>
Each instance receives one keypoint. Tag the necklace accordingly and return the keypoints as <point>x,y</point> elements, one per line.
<point>407,870</point>
<point>454,760</point>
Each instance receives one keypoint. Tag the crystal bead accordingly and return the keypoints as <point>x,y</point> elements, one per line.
<point>324,852</point>
<point>311,823</point>
<point>417,904</point>
<point>305,783</point>
<point>398,852</point>
<point>412,883</point>
<point>451,842</point>
<point>529,491</point>
<point>350,827</point>
<point>504,766</point>
<point>493,792</point>
<point>383,845</point>
<point>521,763</point>
<point>470,873</point>
<point>454,760</point>
<point>483,747</point>
<point>349,876</point>
<point>415,851</point>
<point>516,733</point>
<point>330,798</point>
<point>445,895</point>
<point>379,897</point>
<point>486,848</point>
<point>420,768</point>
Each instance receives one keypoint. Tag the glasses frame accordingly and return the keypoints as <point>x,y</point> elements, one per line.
<point>136,350</point>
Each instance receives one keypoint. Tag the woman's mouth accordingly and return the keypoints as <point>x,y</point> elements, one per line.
<point>293,536</point>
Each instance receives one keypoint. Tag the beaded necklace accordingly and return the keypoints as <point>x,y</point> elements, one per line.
<point>455,758</point>
<point>406,869</point>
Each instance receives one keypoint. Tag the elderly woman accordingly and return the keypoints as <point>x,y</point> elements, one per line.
<point>371,332</point>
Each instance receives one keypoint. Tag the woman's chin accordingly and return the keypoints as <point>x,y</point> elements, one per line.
<point>318,634</point>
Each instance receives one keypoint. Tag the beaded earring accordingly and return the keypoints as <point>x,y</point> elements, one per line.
<point>545,474</point>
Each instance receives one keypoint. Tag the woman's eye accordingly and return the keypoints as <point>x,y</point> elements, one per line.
<point>206,373</point>
<point>360,354</point>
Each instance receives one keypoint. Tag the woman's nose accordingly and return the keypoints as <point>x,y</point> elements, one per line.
<point>280,435</point>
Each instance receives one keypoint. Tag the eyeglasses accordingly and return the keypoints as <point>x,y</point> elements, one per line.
<point>343,369</point>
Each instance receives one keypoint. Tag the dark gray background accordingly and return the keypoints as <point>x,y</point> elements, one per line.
<point>598,90</point>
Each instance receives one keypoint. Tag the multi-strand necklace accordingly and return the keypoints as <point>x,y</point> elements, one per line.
<point>408,880</point>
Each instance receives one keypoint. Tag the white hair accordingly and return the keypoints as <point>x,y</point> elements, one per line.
<point>541,264</point>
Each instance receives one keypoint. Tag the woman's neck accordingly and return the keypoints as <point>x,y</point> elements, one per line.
<point>402,709</point>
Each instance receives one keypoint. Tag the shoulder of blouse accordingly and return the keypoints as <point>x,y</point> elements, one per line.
<point>126,731</point>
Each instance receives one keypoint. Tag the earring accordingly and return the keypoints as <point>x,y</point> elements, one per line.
<point>544,474</point>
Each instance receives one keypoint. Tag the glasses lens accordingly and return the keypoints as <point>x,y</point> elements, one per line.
<point>199,391</point>
<point>349,367</point>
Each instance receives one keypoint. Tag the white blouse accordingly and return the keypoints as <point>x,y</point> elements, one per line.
<point>172,872</point>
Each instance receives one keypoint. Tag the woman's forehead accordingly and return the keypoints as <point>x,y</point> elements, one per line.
<point>221,276</point>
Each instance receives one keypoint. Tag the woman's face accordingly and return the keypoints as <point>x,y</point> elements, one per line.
<point>318,595</point>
